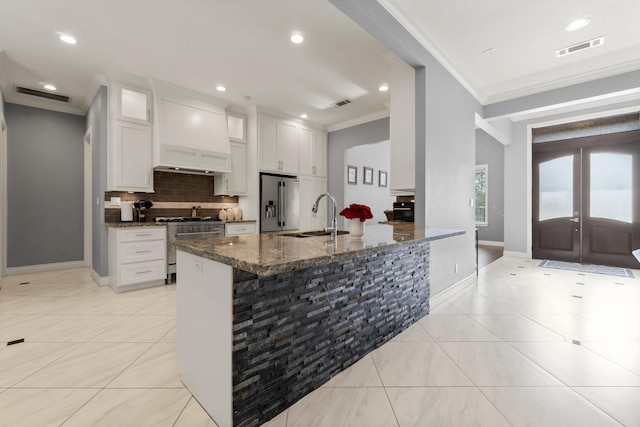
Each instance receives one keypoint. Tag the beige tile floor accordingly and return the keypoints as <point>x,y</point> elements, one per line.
<point>514,346</point>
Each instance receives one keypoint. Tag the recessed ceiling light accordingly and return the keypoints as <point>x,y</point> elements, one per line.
<point>49,86</point>
<point>577,24</point>
<point>297,37</point>
<point>68,39</point>
<point>220,88</point>
<point>383,87</point>
<point>304,115</point>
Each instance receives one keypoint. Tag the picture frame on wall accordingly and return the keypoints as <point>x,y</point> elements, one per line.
<point>368,176</point>
<point>382,178</point>
<point>352,175</point>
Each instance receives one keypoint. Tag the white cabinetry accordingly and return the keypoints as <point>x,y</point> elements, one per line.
<point>137,257</point>
<point>234,183</point>
<point>130,140</point>
<point>192,131</point>
<point>312,152</point>
<point>239,228</point>
<point>278,145</point>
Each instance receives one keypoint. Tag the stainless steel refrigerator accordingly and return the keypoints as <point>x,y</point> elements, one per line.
<point>279,203</point>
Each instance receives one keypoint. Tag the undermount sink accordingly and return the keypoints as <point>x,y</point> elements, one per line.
<point>314,233</point>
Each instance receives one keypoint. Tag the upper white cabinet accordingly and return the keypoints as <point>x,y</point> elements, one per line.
<point>312,152</point>
<point>278,145</point>
<point>130,144</point>
<point>237,129</point>
<point>234,183</point>
<point>191,132</point>
<point>133,104</point>
<point>402,128</point>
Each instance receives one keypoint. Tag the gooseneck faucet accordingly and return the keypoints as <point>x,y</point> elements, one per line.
<point>334,221</point>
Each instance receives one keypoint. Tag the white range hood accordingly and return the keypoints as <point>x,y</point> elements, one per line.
<point>190,131</point>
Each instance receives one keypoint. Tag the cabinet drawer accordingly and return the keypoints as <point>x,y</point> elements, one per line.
<point>142,251</point>
<point>142,272</point>
<point>143,233</point>
<point>240,228</point>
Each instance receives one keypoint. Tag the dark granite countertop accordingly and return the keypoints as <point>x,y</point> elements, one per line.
<point>131,224</point>
<point>268,254</point>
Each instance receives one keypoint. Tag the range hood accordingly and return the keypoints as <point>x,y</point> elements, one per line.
<point>190,131</point>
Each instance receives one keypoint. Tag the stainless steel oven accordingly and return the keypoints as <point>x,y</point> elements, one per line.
<point>183,228</point>
<point>403,211</point>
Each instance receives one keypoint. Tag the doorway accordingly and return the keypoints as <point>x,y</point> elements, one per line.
<point>586,200</point>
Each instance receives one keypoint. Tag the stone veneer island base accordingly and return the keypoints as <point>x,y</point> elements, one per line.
<point>263,320</point>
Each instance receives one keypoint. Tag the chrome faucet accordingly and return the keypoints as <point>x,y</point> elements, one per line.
<point>334,221</point>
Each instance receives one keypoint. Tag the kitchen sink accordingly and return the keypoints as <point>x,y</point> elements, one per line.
<point>314,233</point>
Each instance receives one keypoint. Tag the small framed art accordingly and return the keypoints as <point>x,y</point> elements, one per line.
<point>368,176</point>
<point>382,178</point>
<point>352,175</point>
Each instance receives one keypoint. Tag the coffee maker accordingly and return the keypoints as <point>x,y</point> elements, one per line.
<point>141,207</point>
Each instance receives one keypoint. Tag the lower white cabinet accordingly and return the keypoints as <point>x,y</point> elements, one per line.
<point>137,257</point>
<point>239,228</point>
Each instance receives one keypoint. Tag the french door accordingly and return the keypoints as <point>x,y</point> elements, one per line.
<point>586,200</point>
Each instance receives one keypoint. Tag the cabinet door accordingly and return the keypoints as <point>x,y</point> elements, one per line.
<point>320,154</point>
<point>236,128</point>
<point>234,183</point>
<point>133,105</point>
<point>268,143</point>
<point>288,147</point>
<point>131,169</point>
<point>306,152</point>
<point>307,196</point>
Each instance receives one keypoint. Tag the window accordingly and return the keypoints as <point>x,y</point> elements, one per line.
<point>482,194</point>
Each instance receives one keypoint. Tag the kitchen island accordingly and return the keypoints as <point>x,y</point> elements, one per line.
<point>262,320</point>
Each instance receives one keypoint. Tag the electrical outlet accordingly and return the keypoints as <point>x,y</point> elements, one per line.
<point>455,268</point>
<point>197,266</point>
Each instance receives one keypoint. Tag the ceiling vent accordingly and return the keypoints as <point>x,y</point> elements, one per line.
<point>342,103</point>
<point>580,46</point>
<point>43,94</point>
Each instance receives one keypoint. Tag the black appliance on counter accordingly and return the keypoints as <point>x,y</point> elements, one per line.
<point>403,211</point>
<point>142,206</point>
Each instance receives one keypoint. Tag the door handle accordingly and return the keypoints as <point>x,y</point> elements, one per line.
<point>576,219</point>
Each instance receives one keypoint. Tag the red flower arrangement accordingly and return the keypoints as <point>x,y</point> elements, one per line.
<point>362,212</point>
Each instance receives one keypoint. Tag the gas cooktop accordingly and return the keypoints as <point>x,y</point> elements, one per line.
<point>183,218</point>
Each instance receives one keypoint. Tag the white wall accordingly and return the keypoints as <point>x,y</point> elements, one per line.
<point>376,156</point>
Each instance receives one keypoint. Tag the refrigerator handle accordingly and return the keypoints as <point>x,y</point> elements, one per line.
<point>284,203</point>
<point>280,201</point>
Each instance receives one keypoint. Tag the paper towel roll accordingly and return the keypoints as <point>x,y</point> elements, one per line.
<point>126,211</point>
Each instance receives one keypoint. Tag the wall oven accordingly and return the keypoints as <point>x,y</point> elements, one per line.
<point>403,211</point>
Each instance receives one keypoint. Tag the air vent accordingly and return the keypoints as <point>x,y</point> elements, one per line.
<point>43,94</point>
<point>342,103</point>
<point>580,46</point>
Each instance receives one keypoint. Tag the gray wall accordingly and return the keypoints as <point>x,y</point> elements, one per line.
<point>44,186</point>
<point>97,121</point>
<point>490,152</point>
<point>445,144</point>
<point>339,142</point>
<point>517,171</point>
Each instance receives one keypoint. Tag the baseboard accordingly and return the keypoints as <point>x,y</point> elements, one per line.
<point>27,269</point>
<point>100,281</point>
<point>514,254</point>
<point>490,243</point>
<point>457,287</point>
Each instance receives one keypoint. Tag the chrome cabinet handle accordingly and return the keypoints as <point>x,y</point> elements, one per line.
<point>144,272</point>
<point>143,252</point>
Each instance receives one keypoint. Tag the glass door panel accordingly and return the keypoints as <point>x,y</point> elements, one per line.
<point>556,188</point>
<point>611,178</point>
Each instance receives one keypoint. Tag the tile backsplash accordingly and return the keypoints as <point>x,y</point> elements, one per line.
<point>175,194</point>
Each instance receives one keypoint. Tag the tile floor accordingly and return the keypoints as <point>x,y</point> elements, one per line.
<point>518,345</point>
